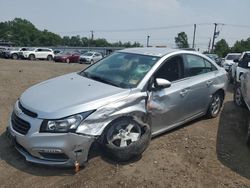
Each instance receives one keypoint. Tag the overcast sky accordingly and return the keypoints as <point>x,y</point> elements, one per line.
<point>131,20</point>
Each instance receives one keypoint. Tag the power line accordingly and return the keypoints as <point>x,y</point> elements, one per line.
<point>138,29</point>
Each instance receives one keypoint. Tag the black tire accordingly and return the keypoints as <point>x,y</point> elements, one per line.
<point>132,148</point>
<point>215,105</point>
<point>91,61</point>
<point>14,56</point>
<point>32,57</point>
<point>248,134</point>
<point>49,58</point>
<point>238,100</point>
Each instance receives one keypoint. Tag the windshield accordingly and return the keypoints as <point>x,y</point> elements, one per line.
<point>212,56</point>
<point>123,70</point>
<point>65,53</point>
<point>88,54</point>
<point>232,57</point>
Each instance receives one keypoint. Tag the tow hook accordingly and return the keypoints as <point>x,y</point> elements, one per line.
<point>77,164</point>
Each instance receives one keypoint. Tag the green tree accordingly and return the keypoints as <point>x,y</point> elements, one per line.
<point>221,48</point>
<point>181,40</point>
<point>241,46</point>
<point>23,33</point>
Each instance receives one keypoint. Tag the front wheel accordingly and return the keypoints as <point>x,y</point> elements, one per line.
<point>126,139</point>
<point>15,56</point>
<point>67,61</point>
<point>215,105</point>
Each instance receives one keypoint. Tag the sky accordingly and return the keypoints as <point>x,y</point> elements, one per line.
<point>134,20</point>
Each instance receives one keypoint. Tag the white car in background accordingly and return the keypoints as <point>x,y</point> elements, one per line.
<point>90,57</point>
<point>14,53</point>
<point>38,53</point>
<point>240,66</point>
<point>242,96</point>
<point>228,61</point>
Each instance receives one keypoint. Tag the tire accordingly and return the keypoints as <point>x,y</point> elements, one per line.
<point>14,56</point>
<point>248,134</point>
<point>238,100</point>
<point>67,61</point>
<point>32,57</point>
<point>91,61</point>
<point>215,105</point>
<point>125,139</point>
<point>49,58</point>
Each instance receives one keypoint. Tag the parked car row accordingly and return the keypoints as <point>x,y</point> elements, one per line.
<point>66,56</point>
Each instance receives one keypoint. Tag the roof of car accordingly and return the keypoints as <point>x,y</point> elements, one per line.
<point>159,52</point>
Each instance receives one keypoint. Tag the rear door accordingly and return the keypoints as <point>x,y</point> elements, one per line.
<point>202,74</point>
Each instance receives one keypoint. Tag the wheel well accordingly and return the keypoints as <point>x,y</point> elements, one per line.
<point>31,55</point>
<point>221,92</point>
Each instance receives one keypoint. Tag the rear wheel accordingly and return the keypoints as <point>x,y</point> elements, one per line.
<point>248,133</point>
<point>32,57</point>
<point>238,100</point>
<point>215,105</point>
<point>49,58</point>
<point>126,139</point>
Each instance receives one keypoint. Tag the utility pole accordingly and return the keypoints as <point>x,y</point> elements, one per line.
<point>194,36</point>
<point>209,44</point>
<point>92,35</point>
<point>148,40</point>
<point>215,33</point>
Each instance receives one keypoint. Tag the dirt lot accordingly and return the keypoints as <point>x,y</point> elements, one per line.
<point>203,153</point>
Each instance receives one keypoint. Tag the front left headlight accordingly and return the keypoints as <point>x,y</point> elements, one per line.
<point>64,125</point>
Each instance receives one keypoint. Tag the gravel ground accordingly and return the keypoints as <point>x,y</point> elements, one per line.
<point>203,153</point>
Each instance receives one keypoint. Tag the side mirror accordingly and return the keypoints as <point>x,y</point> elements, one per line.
<point>236,60</point>
<point>161,83</point>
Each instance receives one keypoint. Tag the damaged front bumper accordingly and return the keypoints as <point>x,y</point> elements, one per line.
<point>56,149</point>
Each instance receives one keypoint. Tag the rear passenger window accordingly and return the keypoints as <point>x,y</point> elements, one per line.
<point>196,65</point>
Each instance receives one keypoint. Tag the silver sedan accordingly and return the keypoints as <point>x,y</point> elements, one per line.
<point>121,102</point>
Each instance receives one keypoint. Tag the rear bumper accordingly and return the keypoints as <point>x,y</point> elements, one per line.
<point>54,149</point>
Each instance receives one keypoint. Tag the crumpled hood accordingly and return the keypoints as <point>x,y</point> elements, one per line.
<point>69,94</point>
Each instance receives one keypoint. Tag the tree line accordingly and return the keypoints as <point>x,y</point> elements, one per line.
<point>22,32</point>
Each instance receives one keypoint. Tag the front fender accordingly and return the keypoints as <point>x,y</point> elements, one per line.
<point>132,106</point>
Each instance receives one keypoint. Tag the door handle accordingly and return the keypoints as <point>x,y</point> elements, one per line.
<point>183,92</point>
<point>210,82</point>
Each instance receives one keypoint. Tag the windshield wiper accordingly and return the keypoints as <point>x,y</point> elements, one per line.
<point>85,74</point>
<point>100,79</point>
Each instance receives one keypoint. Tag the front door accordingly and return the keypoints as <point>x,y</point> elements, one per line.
<point>166,106</point>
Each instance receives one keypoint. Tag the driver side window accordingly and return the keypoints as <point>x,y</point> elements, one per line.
<point>172,69</point>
